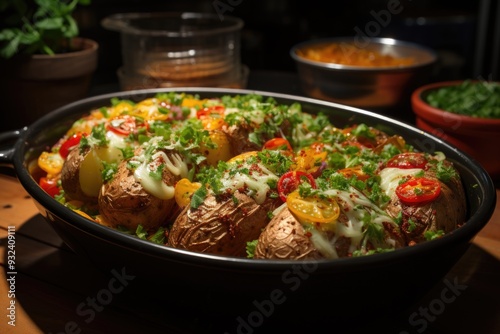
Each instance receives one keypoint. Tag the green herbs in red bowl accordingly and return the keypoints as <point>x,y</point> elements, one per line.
<point>470,98</point>
<point>464,113</point>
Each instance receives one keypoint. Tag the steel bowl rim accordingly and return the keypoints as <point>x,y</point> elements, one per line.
<point>363,69</point>
<point>464,234</point>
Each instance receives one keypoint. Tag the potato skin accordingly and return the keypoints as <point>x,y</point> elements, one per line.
<point>284,238</point>
<point>238,140</point>
<point>124,202</point>
<point>70,176</point>
<point>220,226</point>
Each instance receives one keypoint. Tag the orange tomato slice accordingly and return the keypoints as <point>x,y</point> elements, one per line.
<point>313,209</point>
<point>278,144</point>
<point>354,171</point>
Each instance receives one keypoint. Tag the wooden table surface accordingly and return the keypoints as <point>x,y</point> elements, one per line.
<point>51,283</point>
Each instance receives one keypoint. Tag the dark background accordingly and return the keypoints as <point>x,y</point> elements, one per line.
<point>463,33</point>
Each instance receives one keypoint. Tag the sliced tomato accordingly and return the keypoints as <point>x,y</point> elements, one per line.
<point>126,124</point>
<point>49,186</point>
<point>212,117</point>
<point>212,111</point>
<point>184,190</point>
<point>313,209</point>
<point>51,162</point>
<point>407,160</point>
<point>310,159</point>
<point>418,190</point>
<point>277,144</point>
<point>291,180</point>
<point>354,171</point>
<point>69,143</point>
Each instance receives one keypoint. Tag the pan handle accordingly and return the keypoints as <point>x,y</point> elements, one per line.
<point>7,140</point>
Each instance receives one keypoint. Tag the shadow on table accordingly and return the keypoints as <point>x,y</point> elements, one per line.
<point>62,293</point>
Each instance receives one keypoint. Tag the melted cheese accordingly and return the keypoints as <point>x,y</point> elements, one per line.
<point>390,178</point>
<point>174,164</point>
<point>355,206</point>
<point>321,243</point>
<point>257,182</point>
<point>157,187</point>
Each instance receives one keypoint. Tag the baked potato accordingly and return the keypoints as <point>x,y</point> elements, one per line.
<point>291,236</point>
<point>220,225</point>
<point>285,238</point>
<point>132,197</point>
<point>70,177</point>
<point>442,214</point>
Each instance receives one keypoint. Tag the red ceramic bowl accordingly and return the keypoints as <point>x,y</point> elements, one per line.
<point>478,137</point>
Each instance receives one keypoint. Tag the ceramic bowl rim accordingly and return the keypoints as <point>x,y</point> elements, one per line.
<point>446,118</point>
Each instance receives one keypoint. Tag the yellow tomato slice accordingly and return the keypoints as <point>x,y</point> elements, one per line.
<point>192,103</point>
<point>213,123</point>
<point>184,190</point>
<point>243,156</point>
<point>123,107</point>
<point>51,162</point>
<point>313,209</point>
<point>309,160</point>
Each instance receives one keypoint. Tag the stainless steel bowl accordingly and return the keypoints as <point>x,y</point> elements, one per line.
<point>374,88</point>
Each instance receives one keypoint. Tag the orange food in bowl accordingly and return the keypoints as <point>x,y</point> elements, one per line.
<point>347,54</point>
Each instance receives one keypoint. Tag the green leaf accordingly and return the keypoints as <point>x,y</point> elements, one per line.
<point>250,248</point>
<point>29,38</point>
<point>198,197</point>
<point>9,34</point>
<point>71,28</point>
<point>10,48</point>
<point>49,23</point>
<point>158,237</point>
<point>141,232</point>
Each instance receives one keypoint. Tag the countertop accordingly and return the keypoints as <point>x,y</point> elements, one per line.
<point>51,283</point>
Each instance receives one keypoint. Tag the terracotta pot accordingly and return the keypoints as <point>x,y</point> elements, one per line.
<point>32,86</point>
<point>478,137</point>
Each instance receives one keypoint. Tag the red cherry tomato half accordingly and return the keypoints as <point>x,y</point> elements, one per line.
<point>49,186</point>
<point>290,181</point>
<point>210,111</point>
<point>407,160</point>
<point>419,190</point>
<point>126,125</point>
<point>278,144</point>
<point>71,142</point>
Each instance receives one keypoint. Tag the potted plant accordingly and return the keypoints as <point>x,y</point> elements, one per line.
<point>43,61</point>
